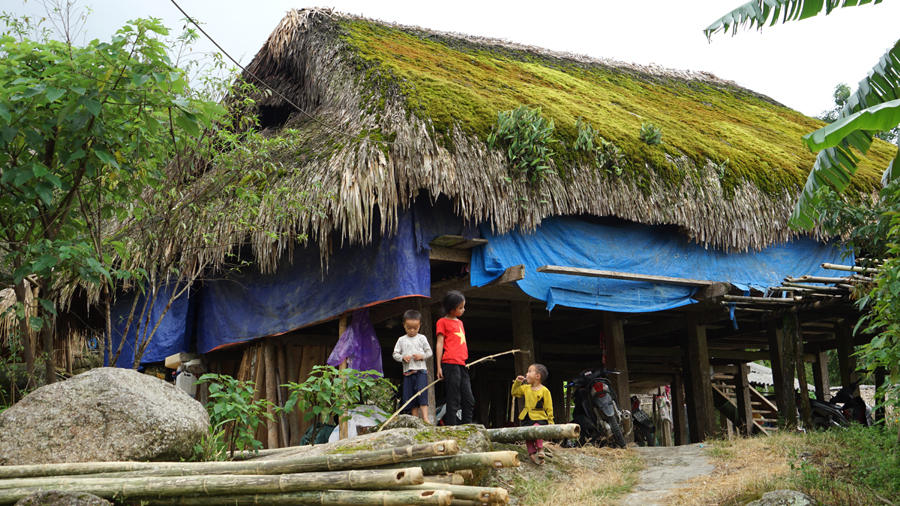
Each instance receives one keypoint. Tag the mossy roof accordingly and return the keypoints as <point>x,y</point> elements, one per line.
<point>390,110</point>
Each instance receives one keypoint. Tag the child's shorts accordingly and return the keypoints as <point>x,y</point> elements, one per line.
<point>412,384</point>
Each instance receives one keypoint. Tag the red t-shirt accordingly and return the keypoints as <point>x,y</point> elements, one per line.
<point>455,349</point>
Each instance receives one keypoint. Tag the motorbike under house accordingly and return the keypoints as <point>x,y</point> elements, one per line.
<point>596,409</point>
<point>826,415</point>
<point>644,429</point>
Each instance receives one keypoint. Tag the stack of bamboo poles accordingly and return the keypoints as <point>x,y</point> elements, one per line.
<point>426,474</point>
<point>272,364</point>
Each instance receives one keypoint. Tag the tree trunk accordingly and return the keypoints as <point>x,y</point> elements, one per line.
<point>486,460</point>
<point>47,333</point>
<point>286,466</point>
<point>513,434</point>
<point>326,498</point>
<point>121,488</point>
<point>22,290</point>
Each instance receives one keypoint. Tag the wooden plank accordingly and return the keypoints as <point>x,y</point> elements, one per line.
<point>456,241</point>
<point>614,338</point>
<point>820,376</point>
<point>700,403</point>
<point>575,271</point>
<point>450,254</point>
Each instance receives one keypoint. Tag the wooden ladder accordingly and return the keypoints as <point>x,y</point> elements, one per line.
<point>764,412</point>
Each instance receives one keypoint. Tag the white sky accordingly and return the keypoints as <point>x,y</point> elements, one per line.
<point>797,64</point>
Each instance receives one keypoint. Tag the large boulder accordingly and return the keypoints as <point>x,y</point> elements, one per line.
<point>785,498</point>
<point>105,414</point>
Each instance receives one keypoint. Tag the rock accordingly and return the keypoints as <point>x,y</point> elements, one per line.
<point>784,498</point>
<point>405,422</point>
<point>106,414</point>
<point>60,498</point>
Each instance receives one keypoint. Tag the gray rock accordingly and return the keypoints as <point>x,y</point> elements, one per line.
<point>785,498</point>
<point>106,414</point>
<point>60,498</point>
<point>405,422</point>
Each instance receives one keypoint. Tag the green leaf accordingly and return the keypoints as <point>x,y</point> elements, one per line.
<point>879,117</point>
<point>9,133</point>
<point>23,176</point>
<point>756,13</point>
<point>93,106</point>
<point>77,89</point>
<point>188,122</point>
<point>53,94</point>
<point>139,79</point>
<point>35,322</point>
<point>48,306</point>
<point>44,190</point>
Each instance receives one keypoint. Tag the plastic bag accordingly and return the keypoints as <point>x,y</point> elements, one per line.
<point>358,343</point>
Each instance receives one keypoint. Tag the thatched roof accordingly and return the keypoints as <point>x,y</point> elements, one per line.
<point>390,110</point>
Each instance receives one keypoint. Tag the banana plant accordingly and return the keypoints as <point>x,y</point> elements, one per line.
<point>873,107</point>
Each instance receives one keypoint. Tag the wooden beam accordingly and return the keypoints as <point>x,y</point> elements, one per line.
<point>678,419</point>
<point>523,336</point>
<point>456,241</point>
<point>805,411</point>
<point>780,369</point>
<point>820,376</point>
<point>744,406</point>
<point>593,273</point>
<point>616,358</point>
<point>463,256</point>
<point>843,334</point>
<point>700,406</point>
<point>675,324</point>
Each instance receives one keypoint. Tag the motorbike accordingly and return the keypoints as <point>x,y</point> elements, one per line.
<point>830,414</point>
<point>645,435</point>
<point>596,409</point>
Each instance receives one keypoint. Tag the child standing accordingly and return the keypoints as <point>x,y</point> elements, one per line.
<point>413,350</point>
<point>538,406</point>
<point>452,353</point>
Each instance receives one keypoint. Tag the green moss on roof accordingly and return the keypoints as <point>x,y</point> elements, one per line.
<point>451,81</point>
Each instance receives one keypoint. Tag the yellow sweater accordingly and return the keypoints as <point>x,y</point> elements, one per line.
<point>538,404</point>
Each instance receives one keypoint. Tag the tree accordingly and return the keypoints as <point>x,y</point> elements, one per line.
<point>85,132</point>
<point>873,107</point>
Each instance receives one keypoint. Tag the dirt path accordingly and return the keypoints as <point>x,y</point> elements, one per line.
<point>668,467</point>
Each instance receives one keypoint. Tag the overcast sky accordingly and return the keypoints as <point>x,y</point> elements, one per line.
<point>797,64</point>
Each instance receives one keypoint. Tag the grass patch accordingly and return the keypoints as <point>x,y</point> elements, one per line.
<point>848,467</point>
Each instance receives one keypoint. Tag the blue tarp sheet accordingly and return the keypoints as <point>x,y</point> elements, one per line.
<point>172,336</point>
<point>614,245</point>
<point>251,305</point>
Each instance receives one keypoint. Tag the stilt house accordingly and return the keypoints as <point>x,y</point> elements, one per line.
<point>666,260</point>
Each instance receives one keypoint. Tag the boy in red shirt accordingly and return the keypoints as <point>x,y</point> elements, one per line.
<point>452,353</point>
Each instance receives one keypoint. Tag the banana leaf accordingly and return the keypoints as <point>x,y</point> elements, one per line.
<point>757,13</point>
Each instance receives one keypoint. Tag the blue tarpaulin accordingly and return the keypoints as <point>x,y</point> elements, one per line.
<point>250,305</point>
<point>172,336</point>
<point>614,245</point>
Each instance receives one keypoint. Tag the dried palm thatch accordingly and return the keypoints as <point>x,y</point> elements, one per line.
<point>386,111</point>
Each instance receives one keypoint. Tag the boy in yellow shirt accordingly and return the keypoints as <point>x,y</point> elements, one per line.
<point>538,406</point>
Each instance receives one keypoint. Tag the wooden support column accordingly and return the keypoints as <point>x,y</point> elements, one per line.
<point>614,338</point>
<point>820,376</point>
<point>499,399</point>
<point>523,336</point>
<point>843,334</point>
<point>559,400</point>
<point>782,371</point>
<point>700,403</point>
<point>427,330</point>
<point>342,326</point>
<point>792,323</point>
<point>679,422</point>
<point>744,407</point>
<point>271,393</point>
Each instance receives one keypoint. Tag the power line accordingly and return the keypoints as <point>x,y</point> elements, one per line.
<point>273,90</point>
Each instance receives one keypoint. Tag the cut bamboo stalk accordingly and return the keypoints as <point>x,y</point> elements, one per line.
<point>466,474</point>
<point>447,479</point>
<point>463,502</point>
<point>259,387</point>
<point>759,300</point>
<point>280,372</point>
<point>122,488</point>
<point>317,498</point>
<point>513,434</point>
<point>494,495</point>
<point>848,268</point>
<point>486,460</point>
<point>285,466</point>
<point>823,289</point>
<point>815,279</point>
<point>271,395</point>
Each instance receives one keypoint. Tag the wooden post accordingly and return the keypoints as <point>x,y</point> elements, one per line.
<point>427,330</point>
<point>499,396</point>
<point>482,402</point>
<point>271,392</point>
<point>556,392</point>
<point>843,334</point>
<point>281,376</point>
<point>342,326</point>
<point>744,406</point>
<point>260,389</point>
<point>293,417</point>
<point>789,355</point>
<point>782,373</point>
<point>614,337</point>
<point>523,336</point>
<point>820,376</point>
<point>678,419</point>
<point>700,404</point>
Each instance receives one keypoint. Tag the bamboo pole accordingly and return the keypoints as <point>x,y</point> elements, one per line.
<point>121,488</point>
<point>285,466</point>
<point>259,386</point>
<point>317,498</point>
<point>271,393</point>
<point>486,460</point>
<point>293,418</point>
<point>280,372</point>
<point>816,279</point>
<point>848,268</point>
<point>464,502</point>
<point>447,479</point>
<point>494,495</point>
<point>343,429</point>
<point>513,434</point>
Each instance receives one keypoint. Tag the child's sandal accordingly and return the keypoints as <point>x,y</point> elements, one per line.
<point>536,459</point>
<point>541,455</point>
